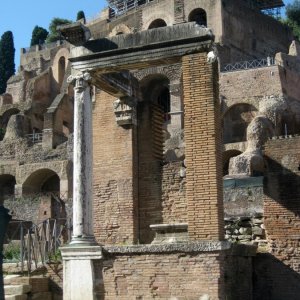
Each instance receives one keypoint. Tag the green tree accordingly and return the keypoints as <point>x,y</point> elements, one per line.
<point>293,11</point>
<point>53,33</point>
<point>293,17</point>
<point>39,35</point>
<point>7,59</point>
<point>80,15</point>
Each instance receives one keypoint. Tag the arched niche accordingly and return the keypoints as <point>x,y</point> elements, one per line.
<point>199,16</point>
<point>59,66</point>
<point>157,24</point>
<point>120,29</point>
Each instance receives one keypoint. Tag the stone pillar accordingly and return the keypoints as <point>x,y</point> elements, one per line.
<point>79,256</point>
<point>83,162</point>
<point>204,191</point>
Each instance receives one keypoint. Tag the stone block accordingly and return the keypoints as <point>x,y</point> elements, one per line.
<point>257,230</point>
<point>17,289</point>
<point>9,279</point>
<point>38,284</point>
<point>16,297</point>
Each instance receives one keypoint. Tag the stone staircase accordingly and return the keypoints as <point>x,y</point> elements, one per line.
<point>17,287</point>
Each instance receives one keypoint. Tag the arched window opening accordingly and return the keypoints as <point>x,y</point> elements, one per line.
<point>157,24</point>
<point>119,33</point>
<point>227,155</point>
<point>236,121</point>
<point>61,70</point>
<point>199,16</point>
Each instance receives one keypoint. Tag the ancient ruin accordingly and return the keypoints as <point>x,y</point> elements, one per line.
<point>157,146</point>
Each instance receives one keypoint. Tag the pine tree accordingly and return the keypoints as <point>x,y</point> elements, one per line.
<point>39,35</point>
<point>80,15</point>
<point>7,59</point>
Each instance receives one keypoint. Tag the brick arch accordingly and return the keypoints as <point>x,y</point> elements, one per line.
<point>120,29</point>
<point>157,23</point>
<point>7,114</point>
<point>190,6</point>
<point>199,16</point>
<point>152,84</point>
<point>36,181</point>
<point>160,15</point>
<point>231,104</point>
<point>172,72</point>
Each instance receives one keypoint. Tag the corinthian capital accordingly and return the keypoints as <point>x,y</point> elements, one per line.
<point>81,81</point>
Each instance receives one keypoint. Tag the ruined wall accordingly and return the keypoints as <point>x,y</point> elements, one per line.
<point>289,68</point>
<point>243,197</point>
<point>282,218</point>
<point>241,32</point>
<point>174,206</point>
<point>115,197</point>
<point>163,276</point>
<point>38,58</point>
<point>249,86</point>
<point>251,34</point>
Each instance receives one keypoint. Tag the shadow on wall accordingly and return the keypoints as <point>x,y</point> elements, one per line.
<point>282,186</point>
<point>277,274</point>
<point>273,280</point>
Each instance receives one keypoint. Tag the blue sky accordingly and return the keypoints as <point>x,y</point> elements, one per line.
<point>21,16</point>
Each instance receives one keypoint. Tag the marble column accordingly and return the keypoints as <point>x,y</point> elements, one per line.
<point>83,162</point>
<point>80,255</point>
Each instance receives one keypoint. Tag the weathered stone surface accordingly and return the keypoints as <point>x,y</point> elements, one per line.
<point>169,248</point>
<point>17,289</point>
<point>16,297</point>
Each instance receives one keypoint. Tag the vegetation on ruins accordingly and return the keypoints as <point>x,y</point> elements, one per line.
<point>54,35</point>
<point>39,35</point>
<point>293,17</point>
<point>7,59</point>
<point>80,15</point>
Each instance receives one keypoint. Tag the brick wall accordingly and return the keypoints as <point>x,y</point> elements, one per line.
<point>115,219</point>
<point>163,276</point>
<point>174,206</point>
<point>248,86</point>
<point>282,213</point>
<point>203,148</point>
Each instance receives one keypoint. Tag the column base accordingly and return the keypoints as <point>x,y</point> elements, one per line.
<point>79,278</point>
<point>88,240</point>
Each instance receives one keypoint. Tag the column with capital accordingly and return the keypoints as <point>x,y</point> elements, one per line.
<point>83,161</point>
<point>80,254</point>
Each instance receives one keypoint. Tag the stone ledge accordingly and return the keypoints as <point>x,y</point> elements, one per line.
<point>81,252</point>
<point>204,246</point>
